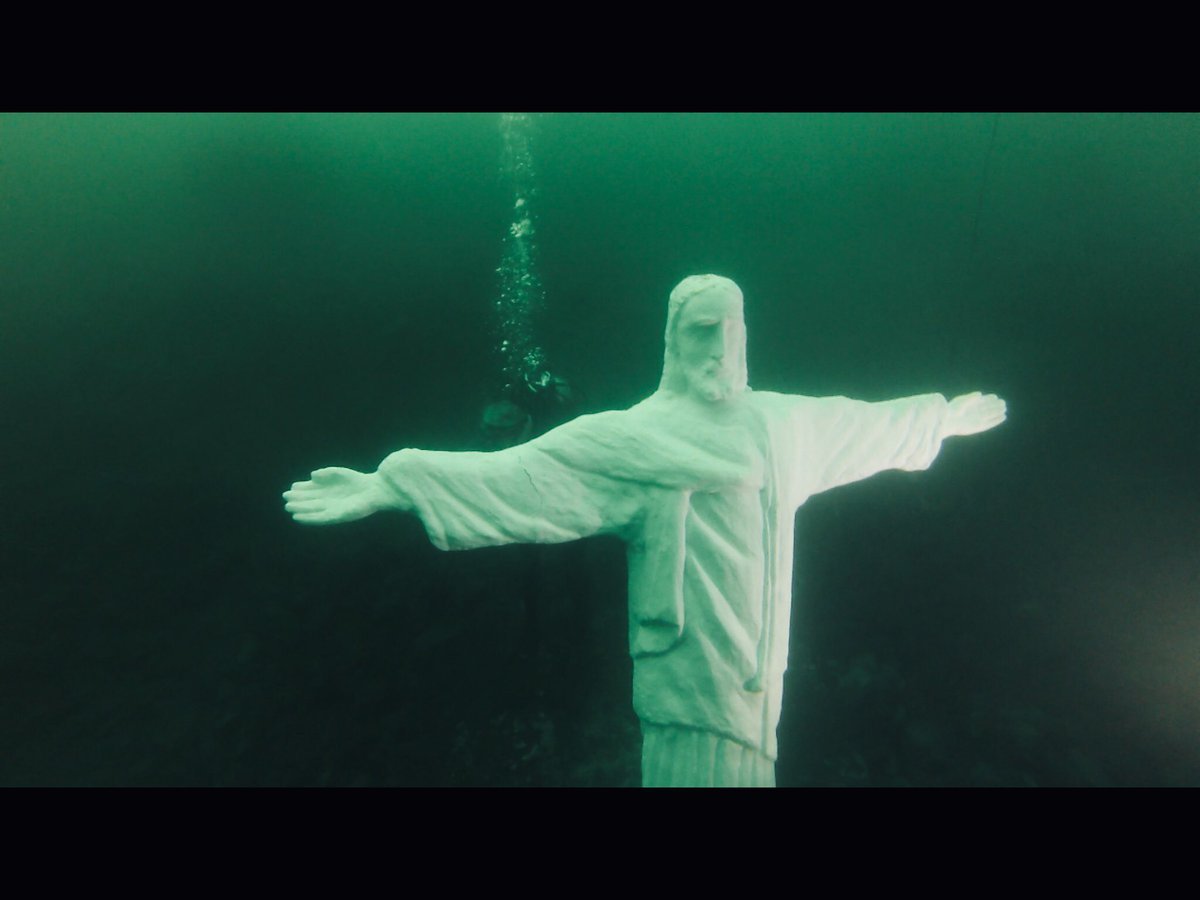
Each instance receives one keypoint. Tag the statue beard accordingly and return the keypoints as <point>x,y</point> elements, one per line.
<point>711,382</point>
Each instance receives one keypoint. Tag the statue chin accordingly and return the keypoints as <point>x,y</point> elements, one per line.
<point>712,390</point>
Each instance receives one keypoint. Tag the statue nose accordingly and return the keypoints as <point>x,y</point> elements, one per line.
<point>718,347</point>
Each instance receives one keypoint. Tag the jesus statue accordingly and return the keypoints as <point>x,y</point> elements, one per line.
<point>702,481</point>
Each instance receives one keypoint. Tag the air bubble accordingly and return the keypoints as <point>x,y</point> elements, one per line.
<point>520,294</point>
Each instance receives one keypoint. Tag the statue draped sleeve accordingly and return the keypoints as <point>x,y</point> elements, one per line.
<point>843,440</point>
<point>522,494</point>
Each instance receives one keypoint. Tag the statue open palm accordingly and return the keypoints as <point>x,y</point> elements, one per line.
<point>335,495</point>
<point>973,413</point>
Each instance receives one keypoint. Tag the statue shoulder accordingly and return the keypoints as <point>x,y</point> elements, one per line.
<point>773,401</point>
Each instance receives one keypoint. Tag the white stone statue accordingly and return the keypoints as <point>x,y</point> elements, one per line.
<point>702,481</point>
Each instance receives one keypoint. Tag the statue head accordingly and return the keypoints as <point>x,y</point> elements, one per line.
<point>705,340</point>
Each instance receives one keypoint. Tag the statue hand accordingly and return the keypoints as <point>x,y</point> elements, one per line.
<point>973,413</point>
<point>335,495</point>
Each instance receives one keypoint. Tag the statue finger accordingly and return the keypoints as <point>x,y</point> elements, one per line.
<point>312,518</point>
<point>300,496</point>
<point>330,472</point>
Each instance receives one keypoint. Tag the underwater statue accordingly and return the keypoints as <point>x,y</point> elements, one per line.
<point>701,480</point>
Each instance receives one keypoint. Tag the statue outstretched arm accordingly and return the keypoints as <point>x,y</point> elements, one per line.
<point>848,440</point>
<point>335,495</point>
<point>519,495</point>
<point>465,499</point>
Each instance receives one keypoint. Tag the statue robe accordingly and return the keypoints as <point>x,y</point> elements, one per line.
<point>705,499</point>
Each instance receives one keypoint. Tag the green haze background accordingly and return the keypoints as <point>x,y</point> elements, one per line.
<point>197,310</point>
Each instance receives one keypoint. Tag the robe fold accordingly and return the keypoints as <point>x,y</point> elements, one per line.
<point>705,499</point>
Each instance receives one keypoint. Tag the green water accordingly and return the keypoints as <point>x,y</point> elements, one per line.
<point>196,310</point>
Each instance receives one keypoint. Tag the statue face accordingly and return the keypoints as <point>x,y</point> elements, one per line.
<point>708,335</point>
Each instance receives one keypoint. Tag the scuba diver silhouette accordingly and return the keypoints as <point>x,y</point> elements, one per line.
<point>528,409</point>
